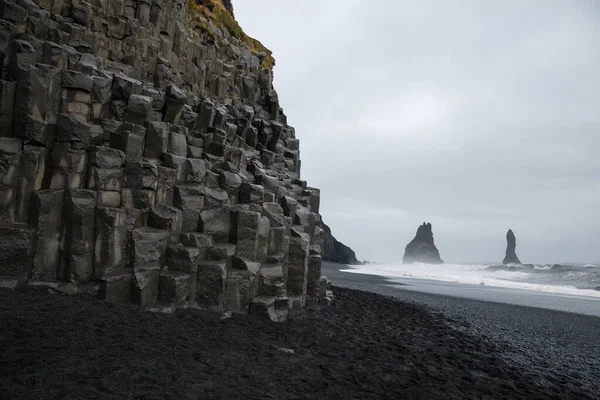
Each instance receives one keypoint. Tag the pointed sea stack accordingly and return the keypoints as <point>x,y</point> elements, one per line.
<point>511,244</point>
<point>422,248</point>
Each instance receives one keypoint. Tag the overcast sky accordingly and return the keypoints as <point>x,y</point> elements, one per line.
<point>476,116</point>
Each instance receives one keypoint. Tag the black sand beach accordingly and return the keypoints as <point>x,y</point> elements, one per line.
<point>365,346</point>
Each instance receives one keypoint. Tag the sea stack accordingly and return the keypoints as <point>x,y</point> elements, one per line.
<point>422,248</point>
<point>511,244</point>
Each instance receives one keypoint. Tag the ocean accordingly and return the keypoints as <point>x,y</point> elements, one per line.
<point>570,280</point>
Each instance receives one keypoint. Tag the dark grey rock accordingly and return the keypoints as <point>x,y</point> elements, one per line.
<point>16,250</point>
<point>422,248</point>
<point>511,244</point>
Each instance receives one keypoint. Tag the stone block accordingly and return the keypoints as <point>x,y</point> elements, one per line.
<point>130,140</point>
<point>244,233</point>
<point>79,211</point>
<point>262,249</point>
<point>149,253</point>
<point>106,157</point>
<point>196,239</point>
<point>46,213</point>
<point>313,276</point>
<point>141,175</point>
<point>33,169</point>
<point>101,90</point>
<point>271,280</point>
<point>220,251</point>
<point>216,222</point>
<point>190,200</point>
<point>7,101</point>
<point>110,250</point>
<point>185,259</point>
<point>141,199</point>
<point>289,206</point>
<point>173,287</point>
<point>177,144</point>
<point>270,307</point>
<point>210,285</point>
<point>68,167</point>
<point>138,109</point>
<point>123,86</point>
<point>195,171</point>
<point>71,129</point>
<point>116,287</point>
<point>16,250</point>
<point>166,217</point>
<point>297,267</point>
<point>177,163</point>
<point>175,100</point>
<point>110,180</point>
<point>157,139</point>
<point>167,177</point>
<point>144,291</point>
<point>240,288</point>
<point>77,80</point>
<point>108,199</point>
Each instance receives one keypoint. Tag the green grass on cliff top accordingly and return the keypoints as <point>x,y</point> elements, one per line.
<point>215,11</point>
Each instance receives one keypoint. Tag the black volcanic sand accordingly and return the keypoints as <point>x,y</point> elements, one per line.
<point>365,346</point>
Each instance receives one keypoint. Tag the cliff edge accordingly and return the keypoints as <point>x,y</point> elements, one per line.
<point>144,158</point>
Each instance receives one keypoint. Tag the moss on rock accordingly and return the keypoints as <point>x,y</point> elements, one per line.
<point>220,13</point>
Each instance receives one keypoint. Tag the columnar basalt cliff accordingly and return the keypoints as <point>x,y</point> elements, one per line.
<point>144,155</point>
<point>422,248</point>
<point>511,244</point>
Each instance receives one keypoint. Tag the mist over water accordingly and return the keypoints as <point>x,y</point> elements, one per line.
<point>575,280</point>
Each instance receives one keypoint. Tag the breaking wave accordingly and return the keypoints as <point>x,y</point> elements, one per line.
<point>582,280</point>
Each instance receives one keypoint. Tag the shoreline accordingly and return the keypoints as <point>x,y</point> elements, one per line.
<point>564,343</point>
<point>519,297</point>
<point>364,346</point>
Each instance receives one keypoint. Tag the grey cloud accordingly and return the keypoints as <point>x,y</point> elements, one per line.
<point>476,116</point>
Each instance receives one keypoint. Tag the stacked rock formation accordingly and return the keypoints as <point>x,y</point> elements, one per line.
<point>422,248</point>
<point>149,162</point>
<point>511,245</point>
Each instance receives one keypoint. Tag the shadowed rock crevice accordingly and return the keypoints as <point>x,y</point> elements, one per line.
<point>422,248</point>
<point>511,244</point>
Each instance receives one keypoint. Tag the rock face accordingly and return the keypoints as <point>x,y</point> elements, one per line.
<point>422,248</point>
<point>143,151</point>
<point>511,244</point>
<point>335,251</point>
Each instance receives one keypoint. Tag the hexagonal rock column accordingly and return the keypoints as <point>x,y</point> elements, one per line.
<point>10,169</point>
<point>149,256</point>
<point>210,285</point>
<point>79,211</point>
<point>46,213</point>
<point>185,259</point>
<point>297,270</point>
<point>16,250</point>
<point>110,253</point>
<point>244,233</point>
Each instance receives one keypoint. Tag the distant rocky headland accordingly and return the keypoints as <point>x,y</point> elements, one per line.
<point>422,247</point>
<point>336,251</point>
<point>145,158</point>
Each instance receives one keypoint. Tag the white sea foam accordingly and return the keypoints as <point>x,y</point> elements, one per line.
<point>477,274</point>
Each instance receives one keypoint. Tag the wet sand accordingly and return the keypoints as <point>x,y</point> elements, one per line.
<point>365,346</point>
